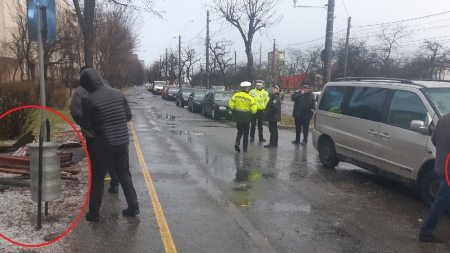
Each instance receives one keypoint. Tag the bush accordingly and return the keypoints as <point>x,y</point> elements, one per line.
<point>19,122</point>
<point>55,94</point>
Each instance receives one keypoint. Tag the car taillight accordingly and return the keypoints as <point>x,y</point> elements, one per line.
<point>315,116</point>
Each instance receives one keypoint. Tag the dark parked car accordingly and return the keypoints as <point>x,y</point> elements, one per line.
<point>215,103</point>
<point>195,101</point>
<point>183,95</point>
<point>171,93</point>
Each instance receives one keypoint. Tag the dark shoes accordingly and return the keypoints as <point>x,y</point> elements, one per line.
<point>245,150</point>
<point>91,218</point>
<point>270,146</point>
<point>252,138</point>
<point>430,238</point>
<point>114,189</point>
<point>131,212</point>
<point>295,142</point>
<point>262,139</point>
<point>236,147</point>
<point>303,143</point>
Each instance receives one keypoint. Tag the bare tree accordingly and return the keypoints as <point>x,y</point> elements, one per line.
<point>249,17</point>
<point>191,58</point>
<point>87,16</point>
<point>222,57</point>
<point>390,37</point>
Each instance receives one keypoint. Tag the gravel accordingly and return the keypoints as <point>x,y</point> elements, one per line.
<point>18,213</point>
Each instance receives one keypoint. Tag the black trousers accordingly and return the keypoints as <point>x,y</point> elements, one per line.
<point>259,115</point>
<point>302,122</point>
<point>273,129</point>
<point>99,161</point>
<point>112,173</point>
<point>243,129</point>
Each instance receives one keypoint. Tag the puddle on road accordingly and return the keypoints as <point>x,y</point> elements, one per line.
<point>183,132</point>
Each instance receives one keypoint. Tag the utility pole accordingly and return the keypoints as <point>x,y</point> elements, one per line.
<point>346,46</point>
<point>329,42</point>
<point>273,60</point>
<point>207,49</point>
<point>235,63</point>
<point>160,62</point>
<point>260,56</point>
<point>179,61</point>
<point>167,77</point>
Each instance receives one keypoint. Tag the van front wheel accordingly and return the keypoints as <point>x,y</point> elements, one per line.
<point>327,153</point>
<point>429,185</point>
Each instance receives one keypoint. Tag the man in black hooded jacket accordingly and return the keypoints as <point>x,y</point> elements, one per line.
<point>303,110</point>
<point>106,112</point>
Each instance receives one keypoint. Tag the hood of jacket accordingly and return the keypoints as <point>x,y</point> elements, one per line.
<point>90,79</point>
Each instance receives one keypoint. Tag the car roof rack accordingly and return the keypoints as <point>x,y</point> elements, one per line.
<point>374,79</point>
<point>431,80</point>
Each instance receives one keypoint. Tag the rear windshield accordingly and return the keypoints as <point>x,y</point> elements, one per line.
<point>172,91</point>
<point>223,96</point>
<point>440,97</point>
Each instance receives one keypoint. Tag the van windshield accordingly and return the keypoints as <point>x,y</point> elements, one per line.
<point>440,97</point>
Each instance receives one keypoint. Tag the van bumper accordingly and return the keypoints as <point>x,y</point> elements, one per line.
<point>315,138</point>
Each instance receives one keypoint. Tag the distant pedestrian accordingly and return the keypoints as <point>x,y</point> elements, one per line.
<point>261,98</point>
<point>106,112</point>
<point>273,116</point>
<point>76,113</point>
<point>303,111</point>
<point>441,140</point>
<point>243,106</point>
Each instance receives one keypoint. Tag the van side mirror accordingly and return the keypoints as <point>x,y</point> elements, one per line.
<point>418,126</point>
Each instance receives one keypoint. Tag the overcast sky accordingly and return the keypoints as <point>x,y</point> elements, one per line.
<point>298,24</point>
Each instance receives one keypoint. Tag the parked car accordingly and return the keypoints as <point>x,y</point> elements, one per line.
<point>384,126</point>
<point>195,100</point>
<point>171,93</point>
<point>157,87</point>
<point>164,91</point>
<point>218,87</point>
<point>215,103</point>
<point>183,95</point>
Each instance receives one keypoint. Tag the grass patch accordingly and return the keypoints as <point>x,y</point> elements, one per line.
<point>56,123</point>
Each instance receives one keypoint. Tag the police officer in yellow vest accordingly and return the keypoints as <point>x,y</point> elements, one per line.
<point>243,106</point>
<point>261,98</point>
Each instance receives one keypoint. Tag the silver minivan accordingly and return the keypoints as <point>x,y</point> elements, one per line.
<point>382,125</point>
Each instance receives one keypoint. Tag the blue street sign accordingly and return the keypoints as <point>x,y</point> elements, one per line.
<point>48,21</point>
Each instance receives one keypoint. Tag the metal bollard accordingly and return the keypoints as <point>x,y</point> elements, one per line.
<point>51,173</point>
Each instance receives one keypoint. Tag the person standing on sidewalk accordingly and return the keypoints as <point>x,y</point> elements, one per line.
<point>243,106</point>
<point>273,116</point>
<point>441,140</point>
<point>106,112</point>
<point>303,111</point>
<point>261,98</point>
<point>75,112</point>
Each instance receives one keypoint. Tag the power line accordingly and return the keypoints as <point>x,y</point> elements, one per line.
<point>410,19</point>
<point>196,35</point>
<point>345,8</point>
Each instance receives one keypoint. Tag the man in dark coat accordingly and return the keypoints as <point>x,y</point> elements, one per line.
<point>106,112</point>
<point>303,110</point>
<point>273,116</point>
<point>441,140</point>
<point>75,111</point>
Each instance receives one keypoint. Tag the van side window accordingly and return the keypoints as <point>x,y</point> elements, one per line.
<point>406,107</point>
<point>332,99</point>
<point>366,103</point>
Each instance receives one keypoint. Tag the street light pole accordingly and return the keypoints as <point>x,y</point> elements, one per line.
<point>328,52</point>
<point>329,41</point>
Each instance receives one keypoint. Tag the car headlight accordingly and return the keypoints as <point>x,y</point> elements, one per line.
<point>222,108</point>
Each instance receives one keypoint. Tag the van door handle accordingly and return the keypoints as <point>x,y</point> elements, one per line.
<point>385,136</point>
<point>372,132</point>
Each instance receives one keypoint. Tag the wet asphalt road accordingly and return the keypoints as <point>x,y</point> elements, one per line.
<point>266,200</point>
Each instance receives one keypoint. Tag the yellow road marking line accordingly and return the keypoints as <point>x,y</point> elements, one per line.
<point>163,227</point>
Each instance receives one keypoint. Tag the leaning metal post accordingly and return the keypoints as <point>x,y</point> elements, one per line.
<point>44,126</point>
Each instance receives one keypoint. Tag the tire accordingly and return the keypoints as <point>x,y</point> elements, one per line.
<point>214,114</point>
<point>327,153</point>
<point>428,187</point>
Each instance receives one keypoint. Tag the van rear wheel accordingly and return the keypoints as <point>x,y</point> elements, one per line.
<point>327,153</point>
<point>429,185</point>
